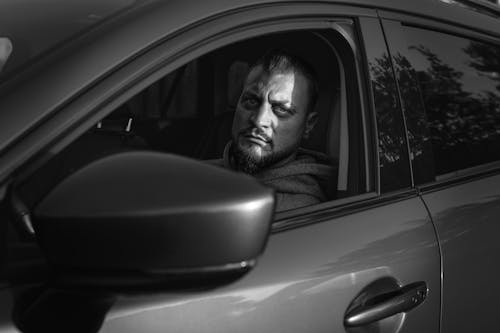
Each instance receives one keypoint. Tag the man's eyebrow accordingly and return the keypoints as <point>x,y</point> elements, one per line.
<point>283,103</point>
<point>250,91</point>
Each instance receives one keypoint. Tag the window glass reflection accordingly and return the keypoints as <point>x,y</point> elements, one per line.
<point>393,156</point>
<point>416,121</point>
<point>394,164</point>
<point>459,81</point>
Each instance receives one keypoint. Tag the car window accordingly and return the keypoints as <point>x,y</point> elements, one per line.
<point>459,82</point>
<point>392,144</point>
<point>190,112</point>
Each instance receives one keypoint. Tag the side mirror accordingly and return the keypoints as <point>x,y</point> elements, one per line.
<point>141,219</point>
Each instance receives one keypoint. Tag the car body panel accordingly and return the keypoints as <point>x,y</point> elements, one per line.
<point>467,222</point>
<point>52,24</point>
<point>306,279</point>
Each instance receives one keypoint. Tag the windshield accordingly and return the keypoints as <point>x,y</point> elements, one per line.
<point>30,28</point>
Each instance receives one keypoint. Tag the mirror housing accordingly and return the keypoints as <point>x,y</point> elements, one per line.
<point>141,219</point>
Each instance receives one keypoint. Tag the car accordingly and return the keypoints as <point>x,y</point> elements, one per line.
<point>114,219</point>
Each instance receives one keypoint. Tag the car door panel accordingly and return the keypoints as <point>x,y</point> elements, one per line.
<point>454,130</point>
<point>306,279</point>
<point>467,223</point>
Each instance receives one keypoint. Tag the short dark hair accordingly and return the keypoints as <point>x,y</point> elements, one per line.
<point>280,60</point>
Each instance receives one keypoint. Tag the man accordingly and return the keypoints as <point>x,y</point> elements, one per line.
<point>274,113</point>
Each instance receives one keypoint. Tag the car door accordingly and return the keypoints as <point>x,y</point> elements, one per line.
<point>319,260</point>
<point>323,264</point>
<point>449,80</point>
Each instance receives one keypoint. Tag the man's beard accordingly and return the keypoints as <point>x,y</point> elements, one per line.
<point>243,160</point>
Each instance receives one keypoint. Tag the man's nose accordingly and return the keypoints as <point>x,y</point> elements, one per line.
<point>263,116</point>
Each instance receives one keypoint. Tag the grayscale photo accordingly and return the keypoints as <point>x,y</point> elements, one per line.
<point>249,166</point>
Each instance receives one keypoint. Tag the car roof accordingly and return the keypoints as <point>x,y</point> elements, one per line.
<point>50,23</point>
<point>35,27</point>
<point>134,25</point>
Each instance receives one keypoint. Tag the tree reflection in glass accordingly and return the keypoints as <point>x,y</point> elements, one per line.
<point>462,103</point>
<point>393,157</point>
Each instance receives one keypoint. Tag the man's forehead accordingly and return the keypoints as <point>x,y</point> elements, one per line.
<point>287,87</point>
<point>259,78</point>
<point>259,73</point>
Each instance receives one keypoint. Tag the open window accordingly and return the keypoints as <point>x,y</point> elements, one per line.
<point>190,111</point>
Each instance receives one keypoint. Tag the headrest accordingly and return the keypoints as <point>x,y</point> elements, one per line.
<point>313,48</point>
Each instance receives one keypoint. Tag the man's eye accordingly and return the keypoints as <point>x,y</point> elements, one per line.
<point>250,102</point>
<point>280,111</point>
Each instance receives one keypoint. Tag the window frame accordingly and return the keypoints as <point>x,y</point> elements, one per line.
<point>108,94</point>
<point>309,214</point>
<point>40,125</point>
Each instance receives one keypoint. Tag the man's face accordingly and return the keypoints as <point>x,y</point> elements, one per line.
<point>270,119</point>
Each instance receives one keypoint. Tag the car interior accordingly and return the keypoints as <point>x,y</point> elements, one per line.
<point>189,112</point>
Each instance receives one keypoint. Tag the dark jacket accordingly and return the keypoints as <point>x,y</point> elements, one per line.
<point>299,183</point>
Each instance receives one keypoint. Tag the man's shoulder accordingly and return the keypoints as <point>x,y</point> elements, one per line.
<point>307,162</point>
<point>311,156</point>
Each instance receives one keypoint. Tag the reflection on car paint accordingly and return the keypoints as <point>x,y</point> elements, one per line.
<point>5,51</point>
<point>305,277</point>
<point>451,91</point>
<point>466,219</point>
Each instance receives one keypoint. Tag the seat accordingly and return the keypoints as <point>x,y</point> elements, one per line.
<point>328,137</point>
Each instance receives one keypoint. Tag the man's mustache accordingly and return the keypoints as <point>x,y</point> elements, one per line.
<point>256,132</point>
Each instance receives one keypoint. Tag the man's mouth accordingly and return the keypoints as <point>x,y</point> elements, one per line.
<point>257,139</point>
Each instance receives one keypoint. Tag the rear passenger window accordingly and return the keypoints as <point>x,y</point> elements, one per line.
<point>459,82</point>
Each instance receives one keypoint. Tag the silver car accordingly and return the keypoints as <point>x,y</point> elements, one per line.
<point>114,220</point>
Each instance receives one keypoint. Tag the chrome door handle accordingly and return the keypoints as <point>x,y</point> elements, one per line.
<point>386,305</point>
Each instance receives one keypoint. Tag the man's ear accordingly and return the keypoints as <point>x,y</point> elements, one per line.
<point>311,119</point>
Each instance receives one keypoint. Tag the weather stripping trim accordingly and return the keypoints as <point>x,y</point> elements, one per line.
<point>339,208</point>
